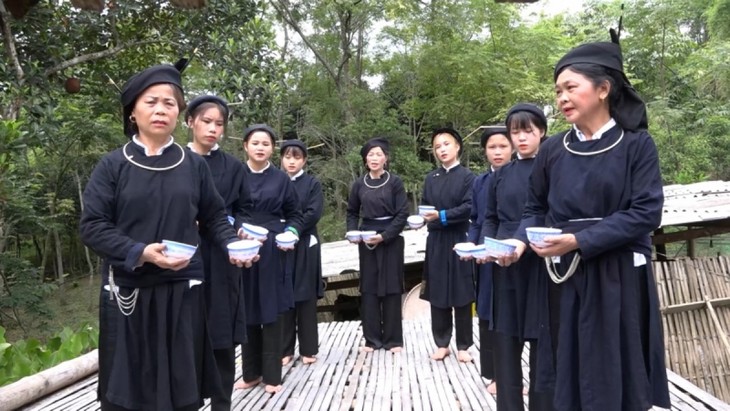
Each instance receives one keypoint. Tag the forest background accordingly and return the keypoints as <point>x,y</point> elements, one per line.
<point>337,72</point>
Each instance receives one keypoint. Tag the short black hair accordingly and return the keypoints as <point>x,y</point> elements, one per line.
<point>524,120</point>
<point>293,150</point>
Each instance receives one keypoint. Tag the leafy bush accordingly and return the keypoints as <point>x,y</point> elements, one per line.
<point>27,357</point>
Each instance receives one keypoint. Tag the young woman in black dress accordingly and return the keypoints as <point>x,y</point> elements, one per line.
<point>206,117</point>
<point>378,202</point>
<point>449,281</point>
<point>306,261</point>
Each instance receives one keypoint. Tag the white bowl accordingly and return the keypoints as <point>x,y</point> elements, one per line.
<point>416,222</point>
<point>422,209</point>
<point>258,233</point>
<point>174,249</point>
<point>480,252</point>
<point>366,235</point>
<point>496,248</point>
<point>286,239</point>
<point>353,235</point>
<point>538,235</point>
<point>244,249</point>
<point>464,249</point>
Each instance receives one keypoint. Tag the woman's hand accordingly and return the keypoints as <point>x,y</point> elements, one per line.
<point>557,245</point>
<point>430,215</point>
<point>154,254</point>
<point>374,240</point>
<point>520,247</point>
<point>243,263</point>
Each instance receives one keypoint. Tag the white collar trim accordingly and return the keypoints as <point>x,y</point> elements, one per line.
<point>598,134</point>
<point>146,150</point>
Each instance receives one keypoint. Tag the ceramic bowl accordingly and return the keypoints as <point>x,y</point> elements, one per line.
<point>286,240</point>
<point>353,235</point>
<point>254,231</point>
<point>496,248</point>
<point>537,235</point>
<point>422,209</point>
<point>366,235</point>
<point>480,252</point>
<point>179,250</point>
<point>244,249</point>
<point>464,249</point>
<point>416,222</point>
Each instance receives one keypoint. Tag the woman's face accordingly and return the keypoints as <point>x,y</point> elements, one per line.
<point>259,147</point>
<point>498,150</point>
<point>207,127</point>
<point>292,162</point>
<point>155,111</point>
<point>578,98</point>
<point>376,159</point>
<point>527,141</point>
<point>445,148</point>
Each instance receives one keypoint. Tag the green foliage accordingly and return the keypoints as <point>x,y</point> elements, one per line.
<point>27,357</point>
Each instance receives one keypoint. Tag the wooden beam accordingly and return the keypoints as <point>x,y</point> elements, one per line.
<point>689,234</point>
<point>680,308</point>
<point>718,326</point>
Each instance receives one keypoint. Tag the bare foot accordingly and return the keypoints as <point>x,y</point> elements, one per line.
<point>309,360</point>
<point>272,389</point>
<point>243,385</point>
<point>286,360</point>
<point>367,349</point>
<point>492,388</point>
<point>440,354</point>
<point>463,356</point>
<point>396,349</point>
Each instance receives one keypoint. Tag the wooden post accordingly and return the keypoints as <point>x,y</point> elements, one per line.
<point>691,251</point>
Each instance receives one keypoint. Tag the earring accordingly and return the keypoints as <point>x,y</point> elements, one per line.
<point>132,119</point>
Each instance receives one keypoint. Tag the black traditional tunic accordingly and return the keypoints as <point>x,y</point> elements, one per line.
<point>484,271</point>
<point>383,207</point>
<point>520,291</point>
<point>610,350</point>
<point>268,286</point>
<point>224,281</point>
<point>149,360</point>
<point>307,256</point>
<point>449,281</point>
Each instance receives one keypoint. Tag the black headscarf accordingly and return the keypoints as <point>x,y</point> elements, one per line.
<point>137,84</point>
<point>372,143</point>
<point>489,131</point>
<point>630,110</point>
<point>530,108</point>
<point>258,127</point>
<point>197,101</point>
<point>452,132</point>
<point>293,143</point>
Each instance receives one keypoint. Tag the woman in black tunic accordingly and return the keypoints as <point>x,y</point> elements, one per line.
<point>306,261</point>
<point>154,350</point>
<point>600,183</point>
<point>497,149</point>
<point>379,200</point>
<point>268,285</point>
<point>206,117</point>
<point>449,281</point>
<point>520,290</point>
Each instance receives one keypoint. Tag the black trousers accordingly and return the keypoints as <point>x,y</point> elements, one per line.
<point>261,356</point>
<point>441,324</point>
<point>508,374</point>
<point>486,350</point>
<point>107,406</point>
<point>382,320</point>
<point>225,359</point>
<point>301,322</point>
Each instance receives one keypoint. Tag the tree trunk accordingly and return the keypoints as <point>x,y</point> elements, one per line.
<point>59,256</point>
<point>81,203</point>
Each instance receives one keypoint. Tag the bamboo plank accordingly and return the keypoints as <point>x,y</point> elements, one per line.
<point>346,361</point>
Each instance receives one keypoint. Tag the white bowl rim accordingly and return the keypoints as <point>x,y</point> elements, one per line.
<point>179,244</point>
<point>257,229</point>
<point>245,244</point>
<point>548,230</point>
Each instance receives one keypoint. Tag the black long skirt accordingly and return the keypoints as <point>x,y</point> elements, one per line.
<point>610,345</point>
<point>160,356</point>
<point>520,297</point>
<point>225,301</point>
<point>449,282</point>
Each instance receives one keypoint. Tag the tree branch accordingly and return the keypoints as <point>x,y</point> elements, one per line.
<point>95,56</point>
<point>283,12</point>
<point>10,42</point>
